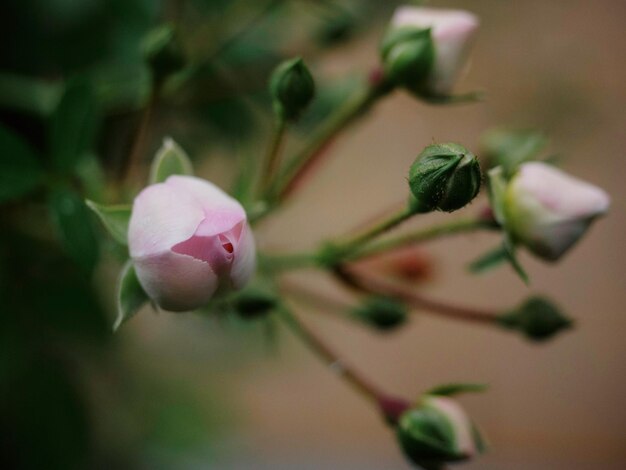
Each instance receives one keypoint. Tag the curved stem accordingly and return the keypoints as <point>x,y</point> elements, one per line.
<point>272,159</point>
<point>304,160</point>
<point>321,349</point>
<point>429,233</point>
<point>352,244</point>
<point>378,286</point>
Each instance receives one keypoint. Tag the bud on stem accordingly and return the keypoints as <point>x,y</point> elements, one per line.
<point>292,88</point>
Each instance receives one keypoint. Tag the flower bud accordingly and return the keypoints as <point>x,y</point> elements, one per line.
<point>537,318</point>
<point>407,55</point>
<point>292,88</point>
<point>444,177</point>
<point>438,60</point>
<point>438,431</point>
<point>382,313</point>
<point>189,241</point>
<point>548,211</point>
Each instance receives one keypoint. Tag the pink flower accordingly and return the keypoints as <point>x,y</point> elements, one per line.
<point>548,211</point>
<point>188,241</point>
<point>452,33</point>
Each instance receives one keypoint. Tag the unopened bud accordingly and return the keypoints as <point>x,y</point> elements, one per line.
<point>382,313</point>
<point>537,318</point>
<point>407,55</point>
<point>436,431</point>
<point>292,88</point>
<point>444,177</point>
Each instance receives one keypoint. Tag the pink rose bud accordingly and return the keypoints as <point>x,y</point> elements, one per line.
<point>188,241</point>
<point>548,210</point>
<point>452,33</point>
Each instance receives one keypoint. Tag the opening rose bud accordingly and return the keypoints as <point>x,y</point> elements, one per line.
<point>188,241</point>
<point>451,36</point>
<point>438,430</point>
<point>548,211</point>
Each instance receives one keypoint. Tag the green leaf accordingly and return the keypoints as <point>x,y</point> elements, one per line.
<point>130,295</point>
<point>73,221</point>
<point>488,261</point>
<point>456,389</point>
<point>29,95</point>
<point>170,159</point>
<point>20,171</point>
<point>73,126</point>
<point>510,148</point>
<point>114,218</point>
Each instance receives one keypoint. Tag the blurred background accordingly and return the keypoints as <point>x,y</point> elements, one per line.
<point>188,391</point>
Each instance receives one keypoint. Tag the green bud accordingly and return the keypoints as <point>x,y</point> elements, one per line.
<point>292,88</point>
<point>538,318</point>
<point>382,313</point>
<point>254,302</point>
<point>444,177</point>
<point>163,51</point>
<point>407,56</point>
<point>436,431</point>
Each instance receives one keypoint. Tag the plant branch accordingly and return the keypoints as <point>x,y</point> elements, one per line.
<point>272,158</point>
<point>309,155</point>
<point>326,354</point>
<point>378,286</point>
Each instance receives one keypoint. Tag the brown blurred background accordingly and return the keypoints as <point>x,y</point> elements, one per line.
<point>557,66</point>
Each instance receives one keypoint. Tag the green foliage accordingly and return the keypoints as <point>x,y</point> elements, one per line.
<point>254,302</point>
<point>72,219</point>
<point>29,95</point>
<point>490,260</point>
<point>130,295</point>
<point>73,126</point>
<point>510,148</point>
<point>20,171</point>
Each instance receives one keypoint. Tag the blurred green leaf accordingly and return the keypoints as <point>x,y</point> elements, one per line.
<point>73,222</point>
<point>170,159</point>
<point>28,94</point>
<point>73,126</point>
<point>20,171</point>
<point>114,218</point>
<point>130,295</point>
<point>456,389</point>
<point>510,148</point>
<point>488,261</point>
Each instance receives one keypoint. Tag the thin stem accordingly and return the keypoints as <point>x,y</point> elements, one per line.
<point>272,158</point>
<point>356,241</point>
<point>375,285</point>
<point>429,233</point>
<point>310,154</point>
<point>133,163</point>
<point>326,354</point>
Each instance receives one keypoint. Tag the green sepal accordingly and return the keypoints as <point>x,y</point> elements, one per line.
<point>497,184</point>
<point>292,88</point>
<point>114,218</point>
<point>408,54</point>
<point>537,318</point>
<point>169,160</point>
<point>452,389</point>
<point>488,261</point>
<point>130,295</point>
